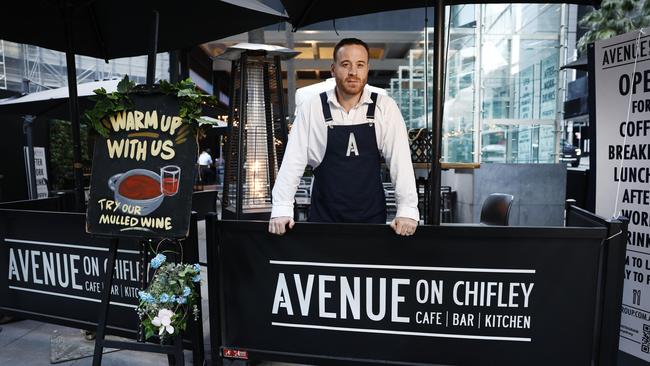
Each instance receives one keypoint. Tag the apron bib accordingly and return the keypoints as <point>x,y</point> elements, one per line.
<point>347,183</point>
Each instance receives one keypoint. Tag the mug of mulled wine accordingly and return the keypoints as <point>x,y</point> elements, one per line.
<point>137,187</point>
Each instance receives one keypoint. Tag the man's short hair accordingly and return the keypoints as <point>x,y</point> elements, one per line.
<point>350,41</point>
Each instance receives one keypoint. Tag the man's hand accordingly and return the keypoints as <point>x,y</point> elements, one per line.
<point>278,225</point>
<point>404,226</point>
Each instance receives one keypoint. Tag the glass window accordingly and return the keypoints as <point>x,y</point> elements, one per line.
<point>502,80</point>
<point>519,58</point>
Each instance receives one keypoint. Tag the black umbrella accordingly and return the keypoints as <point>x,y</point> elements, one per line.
<point>302,13</point>
<point>110,29</point>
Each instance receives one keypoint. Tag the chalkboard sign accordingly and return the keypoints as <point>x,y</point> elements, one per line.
<point>143,172</point>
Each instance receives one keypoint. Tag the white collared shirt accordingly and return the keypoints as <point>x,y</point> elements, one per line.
<point>308,141</point>
<point>305,93</point>
<point>205,158</point>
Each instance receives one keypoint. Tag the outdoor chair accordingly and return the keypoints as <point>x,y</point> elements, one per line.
<point>496,209</point>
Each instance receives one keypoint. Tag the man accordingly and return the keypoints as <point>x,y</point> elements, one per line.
<point>205,162</point>
<point>341,134</point>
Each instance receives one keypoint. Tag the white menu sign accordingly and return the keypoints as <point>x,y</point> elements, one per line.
<point>622,73</point>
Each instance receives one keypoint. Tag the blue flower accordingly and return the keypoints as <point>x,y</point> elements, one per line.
<point>164,298</point>
<point>187,291</point>
<point>181,300</point>
<point>146,297</point>
<point>172,299</point>
<point>197,267</point>
<point>158,260</point>
<point>196,278</point>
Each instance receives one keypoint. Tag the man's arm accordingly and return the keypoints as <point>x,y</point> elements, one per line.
<point>397,153</point>
<point>288,179</point>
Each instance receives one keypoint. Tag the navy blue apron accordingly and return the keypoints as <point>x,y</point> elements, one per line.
<point>347,183</point>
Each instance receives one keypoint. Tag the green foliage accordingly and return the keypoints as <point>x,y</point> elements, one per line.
<point>191,100</point>
<point>108,104</point>
<point>613,18</point>
<point>62,174</point>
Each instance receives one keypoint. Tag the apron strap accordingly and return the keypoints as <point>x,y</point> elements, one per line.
<point>327,113</point>
<point>370,114</point>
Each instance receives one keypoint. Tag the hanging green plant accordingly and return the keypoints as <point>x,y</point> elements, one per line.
<point>108,104</point>
<point>614,17</point>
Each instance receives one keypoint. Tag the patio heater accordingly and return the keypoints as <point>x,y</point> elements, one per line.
<point>257,129</point>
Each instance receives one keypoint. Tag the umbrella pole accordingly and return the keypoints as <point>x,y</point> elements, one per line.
<point>185,62</point>
<point>77,167</point>
<point>173,66</point>
<point>153,49</point>
<point>438,77</point>
<point>28,120</point>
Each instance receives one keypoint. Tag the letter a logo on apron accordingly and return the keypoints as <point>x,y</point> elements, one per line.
<point>352,146</point>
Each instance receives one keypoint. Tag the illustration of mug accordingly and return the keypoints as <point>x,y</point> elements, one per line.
<point>137,187</point>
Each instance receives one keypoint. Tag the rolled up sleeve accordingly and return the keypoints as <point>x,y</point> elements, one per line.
<point>397,152</point>
<point>292,167</point>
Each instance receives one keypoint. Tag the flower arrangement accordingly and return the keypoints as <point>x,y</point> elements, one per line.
<point>165,305</point>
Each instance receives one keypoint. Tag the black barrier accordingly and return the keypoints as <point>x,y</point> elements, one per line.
<point>455,295</point>
<point>56,204</point>
<point>577,186</point>
<point>613,274</point>
<point>204,202</point>
<point>56,271</point>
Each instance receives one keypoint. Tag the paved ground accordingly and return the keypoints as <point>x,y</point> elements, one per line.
<point>33,343</point>
<point>28,342</point>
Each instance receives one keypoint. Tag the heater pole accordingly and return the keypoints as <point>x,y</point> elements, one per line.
<point>243,69</point>
<point>227,176</point>
<point>270,125</point>
<point>284,133</point>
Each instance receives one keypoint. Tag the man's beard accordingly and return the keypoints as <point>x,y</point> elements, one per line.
<point>353,89</point>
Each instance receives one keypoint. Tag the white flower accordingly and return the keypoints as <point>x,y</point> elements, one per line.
<point>164,321</point>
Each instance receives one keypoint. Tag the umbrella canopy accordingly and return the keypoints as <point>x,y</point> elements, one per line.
<point>302,13</point>
<point>120,28</point>
<point>54,102</point>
